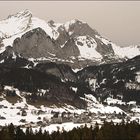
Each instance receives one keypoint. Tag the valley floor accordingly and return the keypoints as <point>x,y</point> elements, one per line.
<point>67,117</point>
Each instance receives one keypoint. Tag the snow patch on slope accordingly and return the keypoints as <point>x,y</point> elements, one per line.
<point>122,52</point>
<point>15,24</point>
<point>36,22</point>
<point>87,47</point>
<point>129,52</point>
<point>110,101</point>
<point>95,107</point>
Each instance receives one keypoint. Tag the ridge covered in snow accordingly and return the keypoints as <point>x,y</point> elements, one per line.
<point>128,51</point>
<point>87,43</point>
<point>22,22</point>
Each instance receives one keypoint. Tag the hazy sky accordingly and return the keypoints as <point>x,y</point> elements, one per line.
<point>116,20</point>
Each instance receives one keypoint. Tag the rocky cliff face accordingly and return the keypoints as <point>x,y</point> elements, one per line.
<point>37,43</point>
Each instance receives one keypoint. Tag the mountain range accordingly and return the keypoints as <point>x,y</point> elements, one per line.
<point>74,43</point>
<point>67,67</point>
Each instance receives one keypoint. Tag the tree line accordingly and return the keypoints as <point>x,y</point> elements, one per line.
<point>108,131</point>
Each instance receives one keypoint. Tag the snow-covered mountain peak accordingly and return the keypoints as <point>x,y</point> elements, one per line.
<point>71,22</point>
<point>15,24</point>
<point>51,22</point>
<point>21,14</point>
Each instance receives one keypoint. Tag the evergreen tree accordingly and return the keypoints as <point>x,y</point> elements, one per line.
<point>11,131</point>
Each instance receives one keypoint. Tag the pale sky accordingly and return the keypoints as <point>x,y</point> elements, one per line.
<point>116,20</point>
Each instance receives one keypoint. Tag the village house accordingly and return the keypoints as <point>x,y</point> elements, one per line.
<point>82,118</point>
<point>67,117</point>
<point>46,120</point>
<point>40,112</point>
<point>34,112</point>
<point>57,118</point>
<point>23,112</point>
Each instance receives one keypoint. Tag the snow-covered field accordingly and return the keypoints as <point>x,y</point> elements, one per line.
<point>21,113</point>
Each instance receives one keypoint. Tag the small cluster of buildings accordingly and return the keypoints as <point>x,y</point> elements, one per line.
<point>59,118</point>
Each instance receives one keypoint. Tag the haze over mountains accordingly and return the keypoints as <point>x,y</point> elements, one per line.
<point>67,67</point>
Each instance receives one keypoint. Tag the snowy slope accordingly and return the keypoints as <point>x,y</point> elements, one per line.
<point>15,24</point>
<point>18,24</point>
<point>87,47</point>
<point>8,110</point>
<point>122,52</point>
<point>96,107</point>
